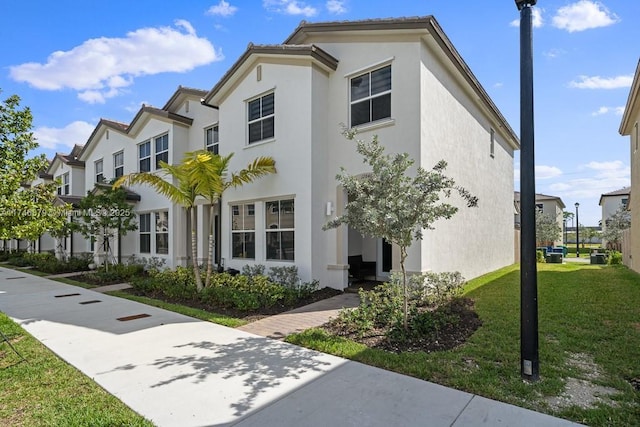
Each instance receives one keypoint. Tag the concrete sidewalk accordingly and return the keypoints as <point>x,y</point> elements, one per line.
<point>179,371</point>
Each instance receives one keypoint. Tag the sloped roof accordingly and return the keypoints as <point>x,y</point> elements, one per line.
<point>633,103</point>
<point>430,26</point>
<point>183,92</point>
<point>626,191</point>
<point>309,50</point>
<point>539,198</point>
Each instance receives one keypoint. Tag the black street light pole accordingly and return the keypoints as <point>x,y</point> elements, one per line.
<point>529,362</point>
<point>577,205</point>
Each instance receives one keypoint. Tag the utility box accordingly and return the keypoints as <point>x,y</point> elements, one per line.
<point>554,257</point>
<point>598,259</point>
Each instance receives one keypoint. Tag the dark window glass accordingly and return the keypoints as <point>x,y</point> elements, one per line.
<point>360,112</point>
<point>360,87</point>
<point>381,107</point>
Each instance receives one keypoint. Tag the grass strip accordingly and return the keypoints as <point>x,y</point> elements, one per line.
<point>46,391</point>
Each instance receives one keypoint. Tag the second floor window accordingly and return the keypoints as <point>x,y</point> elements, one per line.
<point>66,188</point>
<point>118,164</point>
<point>99,171</point>
<point>162,149</point>
<point>144,157</point>
<point>211,139</point>
<point>261,118</point>
<point>371,96</point>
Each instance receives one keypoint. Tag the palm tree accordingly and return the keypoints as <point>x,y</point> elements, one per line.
<point>214,167</point>
<point>181,193</point>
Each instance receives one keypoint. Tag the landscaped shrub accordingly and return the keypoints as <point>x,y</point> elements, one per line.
<point>286,276</point>
<point>540,256</point>
<point>253,270</point>
<point>615,258</point>
<point>382,307</point>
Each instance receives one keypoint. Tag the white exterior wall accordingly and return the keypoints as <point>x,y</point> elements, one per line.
<point>291,148</point>
<point>476,240</point>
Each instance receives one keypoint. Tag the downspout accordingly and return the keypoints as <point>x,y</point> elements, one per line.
<point>219,234</point>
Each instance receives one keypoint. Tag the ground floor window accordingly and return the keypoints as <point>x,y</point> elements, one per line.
<point>280,230</point>
<point>243,244</point>
<point>144,230</point>
<point>162,232</point>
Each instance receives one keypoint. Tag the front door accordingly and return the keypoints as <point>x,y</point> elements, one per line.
<point>383,263</point>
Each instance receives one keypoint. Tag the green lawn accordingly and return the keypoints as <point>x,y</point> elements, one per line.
<point>589,322</point>
<point>46,391</point>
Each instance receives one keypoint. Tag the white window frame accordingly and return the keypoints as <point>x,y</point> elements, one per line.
<point>163,151</point>
<point>213,144</point>
<point>261,118</point>
<point>146,157</point>
<point>98,168</point>
<point>66,185</point>
<point>236,210</point>
<point>161,231</point>
<point>116,166</point>
<point>146,232</point>
<point>370,97</point>
<point>279,230</point>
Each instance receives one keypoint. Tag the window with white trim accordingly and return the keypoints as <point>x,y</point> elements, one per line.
<point>144,230</point>
<point>261,118</point>
<point>66,188</point>
<point>99,170</point>
<point>370,96</point>
<point>280,230</point>
<point>162,232</point>
<point>243,226</point>
<point>162,149</point>
<point>212,139</point>
<point>118,164</point>
<point>144,156</point>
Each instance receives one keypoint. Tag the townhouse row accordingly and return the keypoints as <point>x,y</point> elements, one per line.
<point>400,79</point>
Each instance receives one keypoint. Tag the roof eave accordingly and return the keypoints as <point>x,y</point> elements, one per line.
<point>632,102</point>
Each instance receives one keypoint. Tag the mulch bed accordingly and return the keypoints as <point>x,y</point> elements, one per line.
<point>448,337</point>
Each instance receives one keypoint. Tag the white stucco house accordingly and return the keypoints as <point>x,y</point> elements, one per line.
<point>552,206</point>
<point>629,127</point>
<point>611,202</point>
<point>400,79</point>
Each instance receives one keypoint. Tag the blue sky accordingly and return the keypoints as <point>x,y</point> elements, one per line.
<point>75,62</point>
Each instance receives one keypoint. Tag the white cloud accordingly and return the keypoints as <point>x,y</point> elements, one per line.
<point>618,111</point>
<point>554,53</point>
<point>134,107</point>
<point>102,68</point>
<point>536,19</point>
<point>62,139</point>
<point>547,172</point>
<point>336,6</point>
<point>583,15</point>
<point>597,82</point>
<point>223,9</point>
<point>604,177</point>
<point>290,7</point>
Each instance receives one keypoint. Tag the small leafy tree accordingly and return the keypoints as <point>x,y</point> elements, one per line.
<point>615,225</point>
<point>104,213</point>
<point>25,212</point>
<point>547,228</point>
<point>389,203</point>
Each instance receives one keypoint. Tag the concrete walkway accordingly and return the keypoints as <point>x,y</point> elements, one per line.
<point>179,371</point>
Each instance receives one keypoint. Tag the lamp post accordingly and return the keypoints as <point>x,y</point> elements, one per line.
<point>577,231</point>
<point>529,362</point>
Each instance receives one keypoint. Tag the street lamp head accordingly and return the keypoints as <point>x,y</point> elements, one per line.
<point>522,3</point>
<point>577,205</point>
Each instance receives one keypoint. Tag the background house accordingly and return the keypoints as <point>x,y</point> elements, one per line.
<point>552,206</point>
<point>611,202</point>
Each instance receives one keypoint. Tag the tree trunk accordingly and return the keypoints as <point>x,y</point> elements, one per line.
<point>210,246</point>
<point>405,314</point>
<point>194,249</point>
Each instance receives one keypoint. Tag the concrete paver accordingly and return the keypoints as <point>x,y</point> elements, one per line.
<point>179,371</point>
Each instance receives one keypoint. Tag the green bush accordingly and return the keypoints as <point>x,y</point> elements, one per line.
<point>383,306</point>
<point>615,258</point>
<point>540,256</point>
